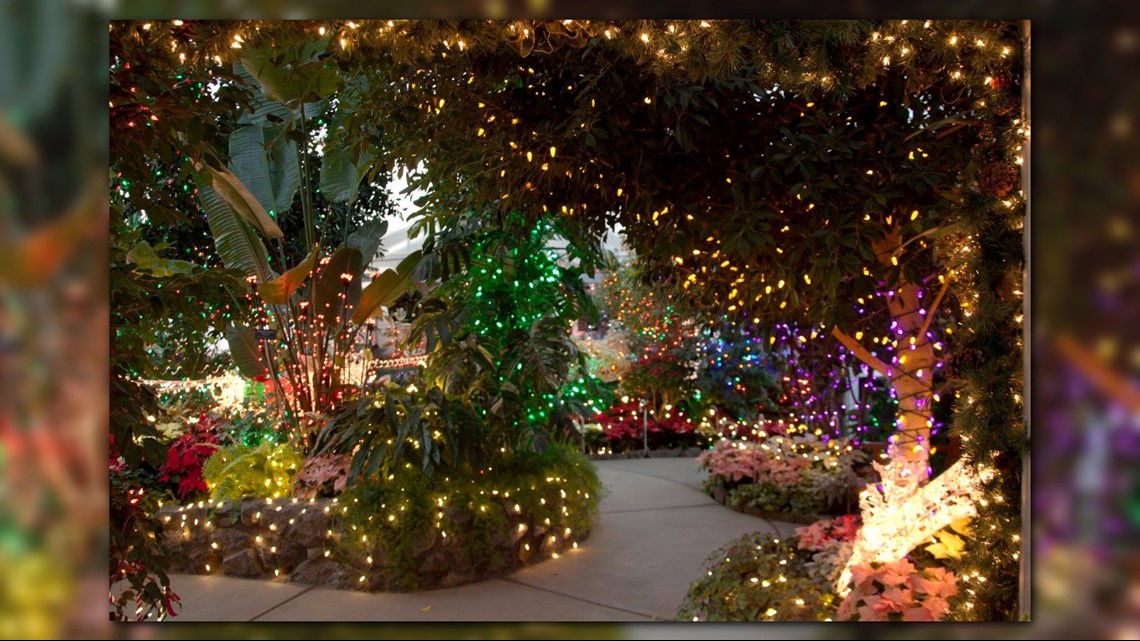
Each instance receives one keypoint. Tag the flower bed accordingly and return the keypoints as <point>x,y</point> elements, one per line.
<point>621,429</point>
<point>799,474</point>
<point>762,578</point>
<point>407,532</point>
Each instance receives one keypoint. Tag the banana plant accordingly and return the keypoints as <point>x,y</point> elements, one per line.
<point>315,306</point>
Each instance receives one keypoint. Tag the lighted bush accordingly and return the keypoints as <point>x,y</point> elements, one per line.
<point>389,516</point>
<point>800,473</point>
<point>262,471</point>
<point>757,578</point>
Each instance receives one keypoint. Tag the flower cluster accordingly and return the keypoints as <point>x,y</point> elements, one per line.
<point>830,543</point>
<point>187,454</point>
<point>752,463</point>
<point>801,473</point>
<point>898,591</point>
<point>840,529</point>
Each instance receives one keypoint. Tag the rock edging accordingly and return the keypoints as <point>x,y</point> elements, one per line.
<point>299,541</point>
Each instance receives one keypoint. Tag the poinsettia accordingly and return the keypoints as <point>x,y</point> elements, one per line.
<point>625,423</point>
<point>186,456</point>
<point>898,591</point>
<point>815,536</point>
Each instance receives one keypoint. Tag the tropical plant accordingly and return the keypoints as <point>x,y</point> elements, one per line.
<point>306,315</point>
<point>398,426</point>
<point>499,336</point>
<point>261,471</point>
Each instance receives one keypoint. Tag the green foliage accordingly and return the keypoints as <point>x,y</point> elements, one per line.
<point>662,135</point>
<point>139,554</point>
<point>397,426</point>
<point>990,370</point>
<point>258,471</point>
<point>498,335</point>
<point>757,578</point>
<point>152,316</point>
<point>397,511</point>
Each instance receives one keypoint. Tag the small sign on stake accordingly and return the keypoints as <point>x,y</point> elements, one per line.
<point>265,333</point>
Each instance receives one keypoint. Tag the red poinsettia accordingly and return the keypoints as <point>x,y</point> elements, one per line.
<point>187,455</point>
<point>624,422</point>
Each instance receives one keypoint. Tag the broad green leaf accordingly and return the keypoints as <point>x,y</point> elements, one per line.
<point>278,290</point>
<point>238,245</point>
<point>297,77</point>
<point>265,162</point>
<point>244,203</point>
<point>340,177</point>
<point>148,260</point>
<point>367,238</point>
<point>386,288</point>
<point>333,292</point>
<point>274,80</point>
<point>245,350</point>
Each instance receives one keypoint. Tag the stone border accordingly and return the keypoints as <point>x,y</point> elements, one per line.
<point>295,540</point>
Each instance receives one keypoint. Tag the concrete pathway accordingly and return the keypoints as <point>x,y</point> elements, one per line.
<point>656,529</point>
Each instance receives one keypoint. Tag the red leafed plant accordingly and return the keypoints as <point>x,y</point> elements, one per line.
<point>622,425</point>
<point>187,455</point>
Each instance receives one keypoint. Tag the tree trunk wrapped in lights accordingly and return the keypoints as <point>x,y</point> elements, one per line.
<point>912,372</point>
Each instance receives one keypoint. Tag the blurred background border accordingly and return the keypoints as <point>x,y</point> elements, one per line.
<point>53,313</point>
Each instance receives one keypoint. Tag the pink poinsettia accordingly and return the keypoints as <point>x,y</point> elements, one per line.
<point>897,591</point>
<point>817,535</point>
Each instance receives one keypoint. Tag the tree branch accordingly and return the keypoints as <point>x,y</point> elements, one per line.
<point>862,354</point>
<point>933,308</point>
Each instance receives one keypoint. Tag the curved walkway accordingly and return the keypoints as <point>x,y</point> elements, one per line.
<point>655,531</point>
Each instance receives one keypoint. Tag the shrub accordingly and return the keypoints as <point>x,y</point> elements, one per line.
<point>757,578</point>
<point>558,488</point>
<point>663,378</point>
<point>262,471</point>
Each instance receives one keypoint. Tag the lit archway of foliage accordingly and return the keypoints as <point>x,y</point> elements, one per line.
<point>785,170</point>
